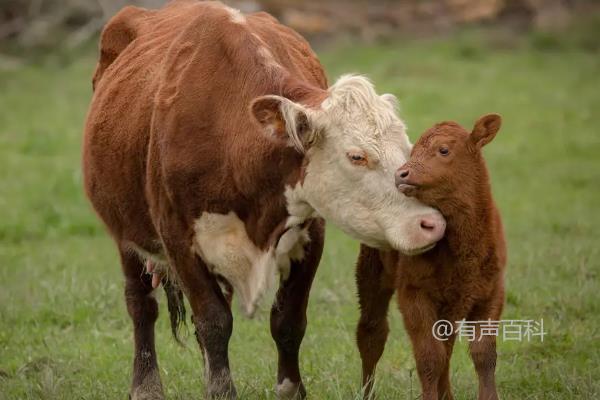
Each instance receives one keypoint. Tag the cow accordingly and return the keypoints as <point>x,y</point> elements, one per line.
<point>461,278</point>
<point>213,152</point>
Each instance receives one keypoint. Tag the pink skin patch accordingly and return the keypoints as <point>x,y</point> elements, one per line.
<point>150,267</point>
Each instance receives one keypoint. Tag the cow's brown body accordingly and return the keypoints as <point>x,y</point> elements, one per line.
<point>168,137</point>
<point>461,278</point>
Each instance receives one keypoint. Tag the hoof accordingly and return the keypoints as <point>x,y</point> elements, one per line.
<point>221,388</point>
<point>288,390</point>
<point>149,389</point>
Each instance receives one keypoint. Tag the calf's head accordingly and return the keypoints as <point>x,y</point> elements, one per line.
<point>353,142</point>
<point>446,161</point>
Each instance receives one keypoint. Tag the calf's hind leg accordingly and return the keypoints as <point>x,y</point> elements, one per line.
<point>143,310</point>
<point>375,283</point>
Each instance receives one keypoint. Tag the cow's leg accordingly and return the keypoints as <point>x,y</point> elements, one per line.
<point>211,312</point>
<point>375,289</point>
<point>288,315</point>
<point>143,310</point>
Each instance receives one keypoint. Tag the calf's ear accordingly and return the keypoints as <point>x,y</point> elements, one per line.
<point>283,120</point>
<point>485,129</point>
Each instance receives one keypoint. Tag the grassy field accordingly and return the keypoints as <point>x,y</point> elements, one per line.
<point>64,330</point>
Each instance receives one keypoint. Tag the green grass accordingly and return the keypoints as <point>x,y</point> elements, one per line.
<point>64,330</point>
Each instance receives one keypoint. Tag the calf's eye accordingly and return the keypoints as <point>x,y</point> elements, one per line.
<point>444,151</point>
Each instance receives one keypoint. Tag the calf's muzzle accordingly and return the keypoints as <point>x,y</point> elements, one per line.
<point>404,182</point>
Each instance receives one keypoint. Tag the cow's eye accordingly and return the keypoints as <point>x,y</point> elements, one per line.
<point>444,151</point>
<point>357,158</point>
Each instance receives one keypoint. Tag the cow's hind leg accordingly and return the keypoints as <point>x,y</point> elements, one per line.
<point>143,310</point>
<point>288,316</point>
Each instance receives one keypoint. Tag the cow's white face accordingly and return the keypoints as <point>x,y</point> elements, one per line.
<point>354,143</point>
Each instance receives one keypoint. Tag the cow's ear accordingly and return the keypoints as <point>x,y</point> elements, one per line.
<point>485,129</point>
<point>283,120</point>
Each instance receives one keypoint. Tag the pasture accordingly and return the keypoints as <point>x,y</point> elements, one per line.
<point>64,330</point>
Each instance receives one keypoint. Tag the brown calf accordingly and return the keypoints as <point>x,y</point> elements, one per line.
<point>461,278</point>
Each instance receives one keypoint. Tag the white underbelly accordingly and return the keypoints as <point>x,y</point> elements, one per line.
<point>223,244</point>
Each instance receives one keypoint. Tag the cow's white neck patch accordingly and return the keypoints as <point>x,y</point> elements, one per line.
<point>222,242</point>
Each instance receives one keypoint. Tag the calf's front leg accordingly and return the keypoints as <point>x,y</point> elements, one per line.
<point>444,388</point>
<point>483,348</point>
<point>483,354</point>
<point>431,356</point>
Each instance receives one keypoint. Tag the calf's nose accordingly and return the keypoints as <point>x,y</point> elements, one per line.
<point>401,176</point>
<point>433,226</point>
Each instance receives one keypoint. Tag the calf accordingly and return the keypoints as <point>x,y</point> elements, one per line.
<point>213,148</point>
<point>460,278</point>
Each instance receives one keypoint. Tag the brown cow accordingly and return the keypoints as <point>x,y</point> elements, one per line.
<point>461,278</point>
<point>213,147</point>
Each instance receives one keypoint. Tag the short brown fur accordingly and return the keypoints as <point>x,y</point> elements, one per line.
<point>169,135</point>
<point>461,278</point>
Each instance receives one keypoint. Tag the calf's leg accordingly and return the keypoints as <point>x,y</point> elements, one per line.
<point>483,353</point>
<point>375,289</point>
<point>288,315</point>
<point>419,316</point>
<point>444,389</point>
<point>143,310</point>
<point>483,349</point>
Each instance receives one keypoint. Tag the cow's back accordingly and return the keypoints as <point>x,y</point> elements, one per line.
<point>172,89</point>
<point>132,47</point>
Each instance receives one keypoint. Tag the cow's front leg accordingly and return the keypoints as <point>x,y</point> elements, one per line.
<point>211,311</point>
<point>288,315</point>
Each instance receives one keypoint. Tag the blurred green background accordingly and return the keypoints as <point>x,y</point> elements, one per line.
<point>64,330</point>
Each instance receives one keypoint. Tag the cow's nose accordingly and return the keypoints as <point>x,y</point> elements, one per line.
<point>402,176</point>
<point>433,227</point>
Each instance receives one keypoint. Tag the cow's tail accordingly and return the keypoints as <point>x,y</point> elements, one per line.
<point>176,306</point>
